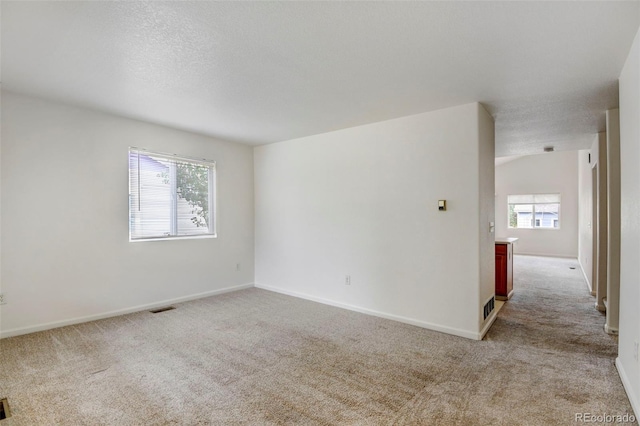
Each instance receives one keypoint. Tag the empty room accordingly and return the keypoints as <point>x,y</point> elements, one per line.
<point>319,213</point>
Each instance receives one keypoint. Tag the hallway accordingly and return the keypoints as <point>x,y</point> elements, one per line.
<point>559,350</point>
<point>552,306</point>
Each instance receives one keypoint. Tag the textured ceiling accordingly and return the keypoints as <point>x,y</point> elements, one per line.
<point>260,72</point>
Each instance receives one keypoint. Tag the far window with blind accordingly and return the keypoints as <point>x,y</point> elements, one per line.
<point>170,196</point>
<point>534,211</point>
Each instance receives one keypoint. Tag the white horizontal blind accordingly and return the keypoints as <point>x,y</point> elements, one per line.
<point>169,196</point>
<point>533,199</point>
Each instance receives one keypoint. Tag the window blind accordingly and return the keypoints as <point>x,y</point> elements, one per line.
<point>533,199</point>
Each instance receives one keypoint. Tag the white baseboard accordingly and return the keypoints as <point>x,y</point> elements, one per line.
<point>418,323</point>
<point>633,398</point>
<point>610,330</point>
<point>490,320</point>
<point>562,256</point>
<point>586,280</point>
<point>79,320</point>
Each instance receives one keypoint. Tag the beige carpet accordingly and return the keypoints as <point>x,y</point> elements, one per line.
<point>258,358</point>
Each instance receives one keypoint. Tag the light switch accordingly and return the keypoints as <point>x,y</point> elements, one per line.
<point>442,205</point>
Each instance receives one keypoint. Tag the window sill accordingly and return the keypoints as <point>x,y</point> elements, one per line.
<point>534,229</point>
<point>174,238</point>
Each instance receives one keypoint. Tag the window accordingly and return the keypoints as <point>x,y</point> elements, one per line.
<point>534,211</point>
<point>170,196</point>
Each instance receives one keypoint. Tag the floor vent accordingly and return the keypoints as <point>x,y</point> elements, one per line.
<point>4,409</point>
<point>166,308</point>
<point>488,307</point>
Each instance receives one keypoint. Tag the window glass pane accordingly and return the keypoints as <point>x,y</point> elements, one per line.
<point>193,198</point>
<point>521,215</point>
<point>547,215</point>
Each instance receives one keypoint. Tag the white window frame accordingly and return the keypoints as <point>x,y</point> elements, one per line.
<point>212,191</point>
<point>533,200</point>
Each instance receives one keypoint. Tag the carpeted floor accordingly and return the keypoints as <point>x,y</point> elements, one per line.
<point>259,358</point>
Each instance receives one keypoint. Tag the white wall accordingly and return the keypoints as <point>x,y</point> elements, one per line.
<point>65,249</point>
<point>555,172</point>
<point>630,225</point>
<point>363,202</point>
<point>585,216</point>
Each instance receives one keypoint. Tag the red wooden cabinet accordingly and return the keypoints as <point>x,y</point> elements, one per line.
<point>504,271</point>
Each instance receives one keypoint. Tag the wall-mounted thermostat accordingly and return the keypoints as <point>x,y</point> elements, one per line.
<point>442,205</point>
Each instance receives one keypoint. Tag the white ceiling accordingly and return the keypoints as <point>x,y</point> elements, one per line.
<point>260,72</point>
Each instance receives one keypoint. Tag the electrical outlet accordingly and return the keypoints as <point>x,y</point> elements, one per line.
<point>635,350</point>
<point>3,299</point>
<point>237,266</point>
<point>347,280</point>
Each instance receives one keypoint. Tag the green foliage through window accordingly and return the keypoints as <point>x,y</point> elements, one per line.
<point>192,185</point>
